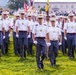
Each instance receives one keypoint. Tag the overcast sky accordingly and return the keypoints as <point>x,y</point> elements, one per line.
<point>55,0</point>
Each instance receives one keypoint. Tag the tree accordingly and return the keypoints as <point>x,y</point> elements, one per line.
<point>16,4</point>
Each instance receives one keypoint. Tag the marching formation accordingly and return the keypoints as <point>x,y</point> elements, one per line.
<point>47,33</point>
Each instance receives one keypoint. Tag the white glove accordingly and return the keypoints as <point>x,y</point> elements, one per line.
<point>29,36</point>
<point>9,35</point>
<point>48,44</point>
<point>17,35</point>
<point>60,43</point>
<point>3,37</point>
<point>35,42</point>
<point>65,38</point>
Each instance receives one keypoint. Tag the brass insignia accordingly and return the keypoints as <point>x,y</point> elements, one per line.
<point>22,23</point>
<point>40,30</point>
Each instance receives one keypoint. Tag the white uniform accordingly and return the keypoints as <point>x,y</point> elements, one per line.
<point>1,25</point>
<point>70,27</point>
<point>40,30</point>
<point>31,24</point>
<point>6,24</point>
<point>54,33</point>
<point>22,25</point>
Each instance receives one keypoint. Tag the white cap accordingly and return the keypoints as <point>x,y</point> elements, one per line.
<point>52,19</point>
<point>65,17</point>
<point>29,14</point>
<point>40,16</point>
<point>5,12</point>
<point>22,12</point>
<point>71,14</point>
<point>16,14</point>
<point>52,14</point>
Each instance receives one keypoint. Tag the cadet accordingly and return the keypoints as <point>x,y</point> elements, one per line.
<point>30,41</point>
<point>54,34</point>
<point>1,36</point>
<point>15,39</point>
<point>7,27</point>
<point>64,42</point>
<point>22,31</point>
<point>70,30</point>
<point>40,31</point>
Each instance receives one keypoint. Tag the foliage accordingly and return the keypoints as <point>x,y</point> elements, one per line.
<point>15,4</point>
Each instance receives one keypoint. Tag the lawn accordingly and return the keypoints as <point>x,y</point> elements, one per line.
<point>11,65</point>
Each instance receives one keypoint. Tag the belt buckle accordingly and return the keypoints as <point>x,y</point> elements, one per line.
<point>54,39</point>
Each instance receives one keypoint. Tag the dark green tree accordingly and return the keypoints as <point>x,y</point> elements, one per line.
<point>15,4</point>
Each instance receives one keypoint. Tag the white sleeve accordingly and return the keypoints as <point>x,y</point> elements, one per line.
<point>16,23</point>
<point>65,26</point>
<point>48,29</point>
<point>34,30</point>
<point>59,31</point>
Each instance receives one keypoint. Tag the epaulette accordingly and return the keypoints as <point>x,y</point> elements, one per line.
<point>57,26</point>
<point>45,25</point>
<point>36,25</point>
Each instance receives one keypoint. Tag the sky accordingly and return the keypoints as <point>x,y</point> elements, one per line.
<point>55,0</point>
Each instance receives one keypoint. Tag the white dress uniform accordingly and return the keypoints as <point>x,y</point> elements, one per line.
<point>54,32</point>
<point>40,32</point>
<point>1,39</point>
<point>30,40</point>
<point>71,34</point>
<point>22,25</point>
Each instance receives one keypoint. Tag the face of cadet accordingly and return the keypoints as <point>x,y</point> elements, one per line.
<point>22,15</point>
<point>17,17</point>
<point>40,20</point>
<point>65,20</point>
<point>71,18</point>
<point>53,23</point>
<point>5,16</point>
<point>29,17</point>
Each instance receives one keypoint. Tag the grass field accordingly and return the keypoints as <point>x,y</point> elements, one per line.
<point>11,65</point>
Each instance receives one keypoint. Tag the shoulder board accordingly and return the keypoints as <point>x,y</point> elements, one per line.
<point>36,25</point>
<point>57,26</point>
<point>45,25</point>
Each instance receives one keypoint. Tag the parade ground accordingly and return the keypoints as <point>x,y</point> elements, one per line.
<point>12,65</point>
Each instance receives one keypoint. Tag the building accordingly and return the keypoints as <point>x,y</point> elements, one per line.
<point>57,6</point>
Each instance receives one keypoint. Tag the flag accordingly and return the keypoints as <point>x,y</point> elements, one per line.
<point>26,7</point>
<point>47,6</point>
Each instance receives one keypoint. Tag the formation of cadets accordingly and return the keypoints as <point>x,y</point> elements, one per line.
<point>47,33</point>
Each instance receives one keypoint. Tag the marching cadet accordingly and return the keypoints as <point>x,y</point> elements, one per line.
<point>54,34</point>
<point>40,31</point>
<point>1,36</point>
<point>15,39</point>
<point>30,41</point>
<point>47,22</point>
<point>64,42</point>
<point>22,31</point>
<point>7,27</point>
<point>69,35</point>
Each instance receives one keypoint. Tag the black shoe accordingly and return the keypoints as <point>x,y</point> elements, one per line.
<point>39,66</point>
<point>42,65</point>
<point>54,62</point>
<point>25,54</point>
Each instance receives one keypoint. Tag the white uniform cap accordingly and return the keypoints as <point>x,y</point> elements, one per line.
<point>52,14</point>
<point>52,19</point>
<point>65,17</point>
<point>71,14</point>
<point>5,12</point>
<point>22,12</point>
<point>29,14</point>
<point>40,16</point>
<point>16,14</point>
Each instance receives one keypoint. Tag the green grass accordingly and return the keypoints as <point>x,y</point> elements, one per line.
<point>11,65</point>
